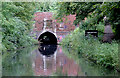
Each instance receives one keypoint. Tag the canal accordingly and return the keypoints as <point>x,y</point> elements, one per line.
<point>49,60</point>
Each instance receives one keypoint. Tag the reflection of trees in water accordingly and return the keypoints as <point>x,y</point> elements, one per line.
<point>88,68</point>
<point>17,63</point>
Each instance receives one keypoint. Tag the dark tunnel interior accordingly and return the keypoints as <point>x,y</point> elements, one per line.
<point>47,38</point>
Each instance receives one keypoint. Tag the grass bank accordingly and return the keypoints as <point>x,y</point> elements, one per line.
<point>103,54</point>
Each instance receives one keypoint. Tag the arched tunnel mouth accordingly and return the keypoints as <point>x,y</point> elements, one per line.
<point>47,38</point>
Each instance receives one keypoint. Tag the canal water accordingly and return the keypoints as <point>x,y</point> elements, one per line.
<point>49,60</point>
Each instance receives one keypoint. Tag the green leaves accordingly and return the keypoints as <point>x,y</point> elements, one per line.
<point>96,10</point>
<point>103,54</point>
<point>16,24</point>
<point>45,6</point>
<point>81,10</point>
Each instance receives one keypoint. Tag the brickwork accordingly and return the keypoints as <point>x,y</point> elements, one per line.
<point>65,26</point>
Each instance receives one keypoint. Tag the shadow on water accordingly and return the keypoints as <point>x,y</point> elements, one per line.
<point>47,49</point>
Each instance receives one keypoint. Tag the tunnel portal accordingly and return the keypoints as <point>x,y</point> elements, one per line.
<point>47,38</point>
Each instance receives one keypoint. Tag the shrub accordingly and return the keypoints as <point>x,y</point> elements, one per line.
<point>16,24</point>
<point>103,54</point>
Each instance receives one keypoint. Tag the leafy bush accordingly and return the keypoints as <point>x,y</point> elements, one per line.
<point>16,24</point>
<point>103,54</point>
<point>97,11</point>
<point>91,24</point>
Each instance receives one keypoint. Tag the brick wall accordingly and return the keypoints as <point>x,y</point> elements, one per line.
<point>66,25</point>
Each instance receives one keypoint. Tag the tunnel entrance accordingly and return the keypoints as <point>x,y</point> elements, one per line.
<point>47,38</point>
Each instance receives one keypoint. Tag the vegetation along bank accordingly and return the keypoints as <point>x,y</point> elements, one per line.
<point>91,48</point>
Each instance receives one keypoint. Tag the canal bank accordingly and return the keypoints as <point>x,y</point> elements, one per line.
<point>92,49</point>
<point>88,67</point>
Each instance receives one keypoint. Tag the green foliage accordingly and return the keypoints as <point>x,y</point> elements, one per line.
<point>91,24</point>
<point>18,63</point>
<point>81,9</point>
<point>103,54</point>
<point>0,41</point>
<point>16,24</point>
<point>86,66</point>
<point>0,26</point>
<point>96,12</point>
<point>25,13</point>
<point>45,6</point>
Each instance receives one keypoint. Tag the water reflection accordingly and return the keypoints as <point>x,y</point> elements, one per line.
<point>18,63</point>
<point>47,50</point>
<point>51,61</point>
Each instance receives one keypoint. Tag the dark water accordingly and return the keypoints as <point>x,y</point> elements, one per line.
<point>49,60</point>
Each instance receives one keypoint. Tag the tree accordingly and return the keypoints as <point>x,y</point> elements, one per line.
<point>45,6</point>
<point>94,10</point>
<point>16,24</point>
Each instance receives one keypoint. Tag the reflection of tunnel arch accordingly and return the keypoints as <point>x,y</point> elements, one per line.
<point>47,38</point>
<point>47,50</point>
